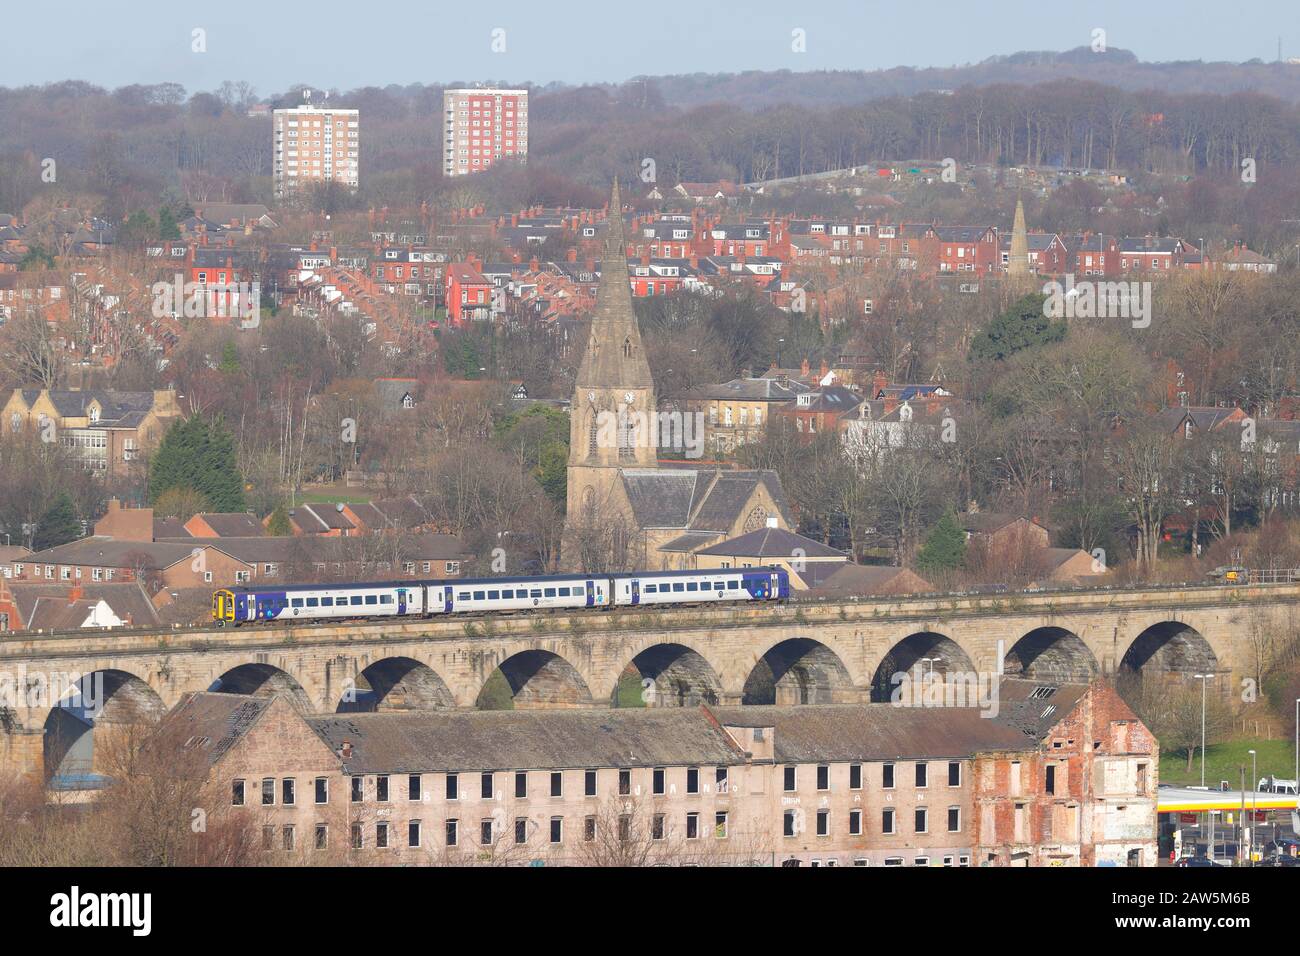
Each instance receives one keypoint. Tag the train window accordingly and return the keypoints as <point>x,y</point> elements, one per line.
<point>327,602</point>
<point>385,599</point>
<point>550,592</point>
<point>462,596</point>
<point>563,592</point>
<point>372,599</point>
<point>733,585</point>
<point>719,585</point>
<point>650,589</point>
<point>313,602</point>
<point>479,595</point>
<point>507,595</point>
<point>297,602</point>
<point>356,599</point>
<point>678,586</point>
<point>692,586</point>
<point>537,592</point>
<point>494,595</point>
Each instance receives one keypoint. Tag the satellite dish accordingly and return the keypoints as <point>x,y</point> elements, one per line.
<point>339,507</point>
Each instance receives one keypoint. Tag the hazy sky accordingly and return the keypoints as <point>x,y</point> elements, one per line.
<point>274,44</point>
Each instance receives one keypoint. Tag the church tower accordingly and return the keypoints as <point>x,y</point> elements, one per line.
<point>1018,260</point>
<point>612,423</point>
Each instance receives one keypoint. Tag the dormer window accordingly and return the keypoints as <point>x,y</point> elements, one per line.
<point>627,348</point>
<point>94,413</point>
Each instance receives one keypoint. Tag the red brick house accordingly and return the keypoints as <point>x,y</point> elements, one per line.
<point>468,293</point>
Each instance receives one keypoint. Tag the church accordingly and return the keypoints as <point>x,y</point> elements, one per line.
<point>626,509</point>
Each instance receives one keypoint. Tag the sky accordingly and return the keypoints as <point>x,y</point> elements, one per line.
<point>275,45</point>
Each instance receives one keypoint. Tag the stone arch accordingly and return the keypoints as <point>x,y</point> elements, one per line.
<point>678,676</point>
<point>104,707</point>
<point>263,680</point>
<point>533,679</point>
<point>799,671</point>
<point>1170,647</point>
<point>1163,656</point>
<point>920,654</point>
<point>1051,654</point>
<point>397,683</point>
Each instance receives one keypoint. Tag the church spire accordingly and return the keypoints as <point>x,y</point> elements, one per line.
<point>1018,260</point>
<point>614,357</point>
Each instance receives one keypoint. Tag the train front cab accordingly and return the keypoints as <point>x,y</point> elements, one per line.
<point>223,607</point>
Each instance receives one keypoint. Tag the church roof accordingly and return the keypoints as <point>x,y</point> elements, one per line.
<point>661,499</point>
<point>614,356</point>
<point>704,502</point>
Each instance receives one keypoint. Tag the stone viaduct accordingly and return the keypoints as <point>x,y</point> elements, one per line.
<point>802,652</point>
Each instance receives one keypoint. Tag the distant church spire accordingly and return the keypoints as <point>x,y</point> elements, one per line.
<point>614,357</point>
<point>1018,260</point>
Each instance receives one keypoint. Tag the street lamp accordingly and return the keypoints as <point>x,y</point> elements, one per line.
<point>1203,678</point>
<point>1254,804</point>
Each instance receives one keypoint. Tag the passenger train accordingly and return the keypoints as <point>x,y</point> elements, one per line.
<point>318,602</point>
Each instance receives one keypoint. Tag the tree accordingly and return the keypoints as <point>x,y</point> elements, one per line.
<point>1173,712</point>
<point>229,358</point>
<point>58,525</point>
<point>1023,326</point>
<point>199,454</point>
<point>278,524</point>
<point>30,352</point>
<point>1147,462</point>
<point>945,546</point>
<point>139,228</point>
<point>180,501</point>
<point>167,227</point>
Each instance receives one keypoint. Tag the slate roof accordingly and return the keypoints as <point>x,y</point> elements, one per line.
<point>661,498</point>
<point>828,579</point>
<point>233,524</point>
<point>452,741</point>
<point>987,522</point>
<point>392,391</point>
<point>749,390</point>
<point>842,732</point>
<point>278,549</point>
<point>117,409</point>
<point>729,493</point>
<point>36,600</point>
<point>98,551</point>
<point>53,613</point>
<point>320,518</point>
<point>169,528</point>
<point>213,723</point>
<point>833,399</point>
<point>1034,707</point>
<point>771,543</point>
<point>1203,418</point>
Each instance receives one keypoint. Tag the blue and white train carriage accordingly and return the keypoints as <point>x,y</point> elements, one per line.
<point>506,594</point>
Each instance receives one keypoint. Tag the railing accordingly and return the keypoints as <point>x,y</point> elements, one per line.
<point>1274,575</point>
